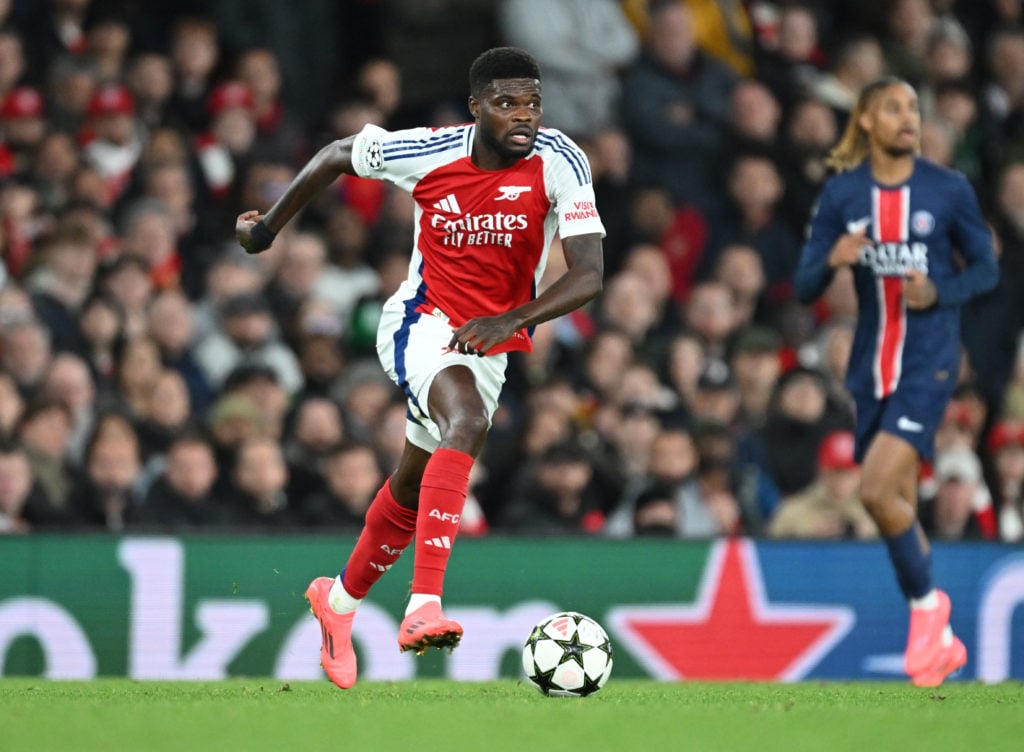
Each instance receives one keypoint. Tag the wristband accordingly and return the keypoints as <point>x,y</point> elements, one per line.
<point>262,237</point>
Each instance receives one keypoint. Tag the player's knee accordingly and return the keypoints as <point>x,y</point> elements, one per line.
<point>468,427</point>
<point>875,495</point>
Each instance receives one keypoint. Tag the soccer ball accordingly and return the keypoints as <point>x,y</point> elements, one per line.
<point>568,655</point>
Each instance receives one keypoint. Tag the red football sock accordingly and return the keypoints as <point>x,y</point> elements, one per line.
<point>442,496</point>
<point>389,528</point>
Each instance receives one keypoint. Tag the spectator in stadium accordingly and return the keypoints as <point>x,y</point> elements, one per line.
<point>313,428</point>
<point>17,490</point>
<point>12,405</point>
<point>674,107</point>
<point>26,353</point>
<point>109,495</point>
<point>13,65</point>
<point>262,387</point>
<point>277,129</point>
<point>167,413</point>
<point>248,335</point>
<point>114,143</point>
<point>685,361</point>
<point>555,493</point>
<point>379,80</point>
<point>755,116</point>
<point>23,223</point>
<point>101,321</point>
<point>224,148</point>
<point>259,480</point>
<point>857,62</point>
<point>962,505</point>
<point>195,53</point>
<point>23,127</point>
<point>611,158</point>
<point>681,232</point>
<point>70,381</point>
<point>352,476</point>
<point>711,314</point>
<point>126,279</point>
<point>1006,448</point>
<point>171,325</point>
<point>830,508</point>
<point>750,215</point>
<point>306,273</point>
<point>138,368</point>
<point>791,68</point>
<point>71,82</point>
<point>755,361</point>
<point>808,135</point>
<point>149,233</point>
<point>182,497</point>
<point>43,431</point>
<point>108,37</point>
<point>672,475</point>
<point>910,24</point>
<point>61,283</point>
<point>581,45</point>
<point>740,268</point>
<point>798,421</point>
<point>150,77</point>
<point>52,167</point>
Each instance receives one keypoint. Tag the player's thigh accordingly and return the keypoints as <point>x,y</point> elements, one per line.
<point>413,349</point>
<point>914,416</point>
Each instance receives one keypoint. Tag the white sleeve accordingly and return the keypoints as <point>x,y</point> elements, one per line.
<point>403,157</point>
<point>567,171</point>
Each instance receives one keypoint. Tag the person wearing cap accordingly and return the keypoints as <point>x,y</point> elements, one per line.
<point>22,117</point>
<point>230,137</point>
<point>830,507</point>
<point>1006,447</point>
<point>113,143</point>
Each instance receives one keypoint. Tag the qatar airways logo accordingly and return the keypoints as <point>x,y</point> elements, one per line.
<point>895,259</point>
<point>479,229</point>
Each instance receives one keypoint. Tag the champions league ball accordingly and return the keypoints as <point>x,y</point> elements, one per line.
<point>568,655</point>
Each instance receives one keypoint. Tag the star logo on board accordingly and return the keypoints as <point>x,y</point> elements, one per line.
<point>731,631</point>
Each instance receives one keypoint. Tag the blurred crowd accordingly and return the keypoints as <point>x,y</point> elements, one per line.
<point>155,377</point>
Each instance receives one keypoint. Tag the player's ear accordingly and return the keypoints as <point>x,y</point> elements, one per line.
<point>864,121</point>
<point>474,108</point>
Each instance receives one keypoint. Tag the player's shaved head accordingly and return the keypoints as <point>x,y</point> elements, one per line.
<point>501,63</point>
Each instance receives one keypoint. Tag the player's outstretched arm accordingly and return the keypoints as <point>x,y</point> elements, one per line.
<point>256,232</point>
<point>581,283</point>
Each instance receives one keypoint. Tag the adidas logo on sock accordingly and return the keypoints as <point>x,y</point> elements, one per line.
<point>443,542</point>
<point>380,567</point>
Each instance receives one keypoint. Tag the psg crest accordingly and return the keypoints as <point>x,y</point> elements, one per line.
<point>922,222</point>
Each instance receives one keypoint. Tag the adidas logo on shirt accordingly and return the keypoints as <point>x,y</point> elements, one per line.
<point>449,204</point>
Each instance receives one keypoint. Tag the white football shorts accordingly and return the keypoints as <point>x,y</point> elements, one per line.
<point>413,348</point>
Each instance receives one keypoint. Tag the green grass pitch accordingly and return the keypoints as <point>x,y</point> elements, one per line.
<point>267,714</point>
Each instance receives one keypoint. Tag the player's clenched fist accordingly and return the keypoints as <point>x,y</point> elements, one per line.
<point>252,234</point>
